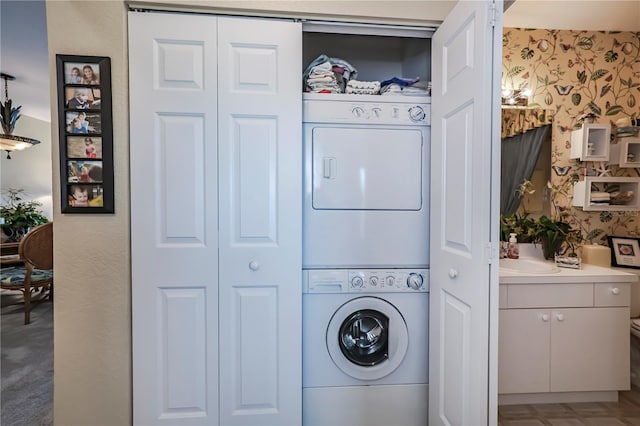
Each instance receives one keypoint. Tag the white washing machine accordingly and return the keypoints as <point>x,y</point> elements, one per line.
<point>366,181</point>
<point>365,347</point>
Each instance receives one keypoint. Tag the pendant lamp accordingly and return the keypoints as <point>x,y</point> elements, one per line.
<point>9,117</point>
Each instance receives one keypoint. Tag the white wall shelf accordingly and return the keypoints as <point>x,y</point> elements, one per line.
<point>625,153</point>
<point>623,193</point>
<point>591,142</point>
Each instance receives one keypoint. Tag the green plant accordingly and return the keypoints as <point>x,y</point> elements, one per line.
<point>524,226</point>
<point>553,234</point>
<point>19,215</point>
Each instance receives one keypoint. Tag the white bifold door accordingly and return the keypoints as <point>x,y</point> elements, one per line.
<point>215,219</point>
<point>465,171</point>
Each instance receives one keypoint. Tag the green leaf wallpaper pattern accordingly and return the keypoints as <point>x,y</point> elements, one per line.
<point>578,74</point>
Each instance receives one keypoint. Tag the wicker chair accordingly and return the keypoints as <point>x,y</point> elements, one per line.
<point>35,277</point>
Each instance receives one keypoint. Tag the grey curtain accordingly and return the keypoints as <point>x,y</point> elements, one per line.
<point>519,157</point>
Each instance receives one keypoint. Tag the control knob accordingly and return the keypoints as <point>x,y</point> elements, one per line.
<point>414,281</point>
<point>357,282</point>
<point>358,111</point>
<point>417,114</point>
<point>376,111</point>
<point>373,281</point>
<point>390,280</point>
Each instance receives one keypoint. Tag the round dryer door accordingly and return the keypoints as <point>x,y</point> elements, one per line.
<point>367,338</point>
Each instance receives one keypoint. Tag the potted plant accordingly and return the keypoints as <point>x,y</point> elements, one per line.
<point>553,233</point>
<point>18,215</point>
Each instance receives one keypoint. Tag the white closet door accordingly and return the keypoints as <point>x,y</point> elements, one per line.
<point>174,236</point>
<point>259,65</point>
<point>464,197</point>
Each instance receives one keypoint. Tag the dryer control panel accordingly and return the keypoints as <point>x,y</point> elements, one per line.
<point>365,280</point>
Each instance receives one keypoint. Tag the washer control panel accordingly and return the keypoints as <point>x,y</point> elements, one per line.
<point>354,109</point>
<point>365,280</point>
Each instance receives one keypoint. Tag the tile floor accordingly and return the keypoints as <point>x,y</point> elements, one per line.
<point>625,412</point>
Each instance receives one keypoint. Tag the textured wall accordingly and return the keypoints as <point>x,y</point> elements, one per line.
<point>576,73</point>
<point>92,316</point>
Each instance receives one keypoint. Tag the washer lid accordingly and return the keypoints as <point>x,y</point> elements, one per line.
<point>367,338</point>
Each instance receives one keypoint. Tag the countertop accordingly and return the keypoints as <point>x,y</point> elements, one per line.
<point>588,274</point>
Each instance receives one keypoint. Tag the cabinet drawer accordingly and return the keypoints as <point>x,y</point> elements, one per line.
<point>550,295</point>
<point>612,294</point>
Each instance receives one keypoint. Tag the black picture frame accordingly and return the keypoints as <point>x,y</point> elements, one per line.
<point>625,251</point>
<point>85,133</point>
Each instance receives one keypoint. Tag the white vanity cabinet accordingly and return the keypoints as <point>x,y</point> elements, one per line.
<point>563,337</point>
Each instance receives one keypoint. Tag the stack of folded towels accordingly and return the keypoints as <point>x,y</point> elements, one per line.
<point>322,79</point>
<point>404,86</point>
<point>602,198</point>
<point>363,87</point>
<point>328,75</point>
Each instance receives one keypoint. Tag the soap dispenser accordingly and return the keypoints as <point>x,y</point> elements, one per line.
<point>513,252</point>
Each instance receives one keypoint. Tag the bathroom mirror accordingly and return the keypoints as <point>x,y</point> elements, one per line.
<point>526,155</point>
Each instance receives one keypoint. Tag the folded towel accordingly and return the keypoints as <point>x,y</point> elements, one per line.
<point>363,87</point>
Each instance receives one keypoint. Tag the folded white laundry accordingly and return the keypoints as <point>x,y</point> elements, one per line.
<point>363,87</point>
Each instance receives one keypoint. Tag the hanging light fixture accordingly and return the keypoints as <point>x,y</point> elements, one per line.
<point>9,117</point>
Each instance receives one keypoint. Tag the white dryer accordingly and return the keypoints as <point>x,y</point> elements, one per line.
<point>365,347</point>
<point>366,181</point>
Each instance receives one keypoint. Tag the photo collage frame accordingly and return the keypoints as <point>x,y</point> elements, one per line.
<point>86,133</point>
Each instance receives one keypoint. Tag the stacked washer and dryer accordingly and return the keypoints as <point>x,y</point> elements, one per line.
<point>365,260</point>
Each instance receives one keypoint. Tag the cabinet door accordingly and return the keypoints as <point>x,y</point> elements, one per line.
<point>260,187</point>
<point>174,223</point>
<point>589,349</point>
<point>523,354</point>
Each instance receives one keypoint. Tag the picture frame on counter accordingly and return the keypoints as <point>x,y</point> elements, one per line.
<point>625,251</point>
<point>85,133</point>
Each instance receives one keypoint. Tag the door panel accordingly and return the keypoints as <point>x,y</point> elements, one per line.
<point>464,219</point>
<point>260,180</point>
<point>254,151</point>
<point>174,218</point>
<point>183,357</point>
<point>181,189</point>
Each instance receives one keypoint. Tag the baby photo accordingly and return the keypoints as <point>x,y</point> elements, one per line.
<point>82,98</point>
<point>86,196</point>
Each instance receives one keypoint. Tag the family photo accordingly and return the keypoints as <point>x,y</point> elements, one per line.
<point>79,73</point>
<point>83,122</point>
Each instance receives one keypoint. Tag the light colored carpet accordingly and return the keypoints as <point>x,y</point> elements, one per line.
<point>26,393</point>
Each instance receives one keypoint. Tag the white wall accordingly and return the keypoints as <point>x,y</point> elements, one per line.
<point>30,169</point>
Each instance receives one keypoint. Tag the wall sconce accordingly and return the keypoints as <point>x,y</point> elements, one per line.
<point>515,97</point>
<point>9,117</point>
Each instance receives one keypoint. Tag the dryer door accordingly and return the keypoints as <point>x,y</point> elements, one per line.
<point>367,168</point>
<point>367,338</point>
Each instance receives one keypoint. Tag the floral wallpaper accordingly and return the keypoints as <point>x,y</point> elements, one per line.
<point>579,75</point>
